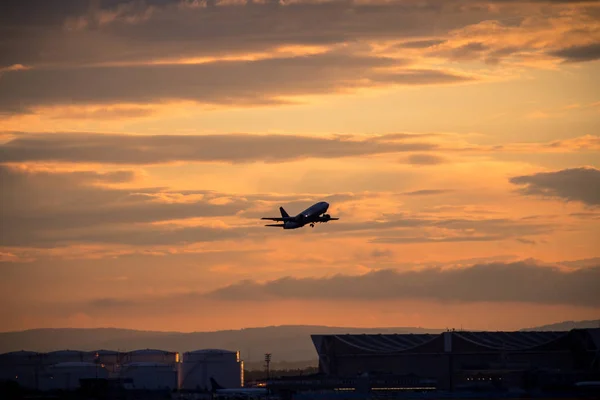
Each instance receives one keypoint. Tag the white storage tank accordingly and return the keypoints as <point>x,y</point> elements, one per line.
<point>107,356</point>
<point>21,367</point>
<point>152,356</point>
<point>150,375</point>
<point>224,366</point>
<point>109,359</point>
<point>67,375</point>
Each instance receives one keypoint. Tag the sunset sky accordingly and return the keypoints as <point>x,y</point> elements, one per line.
<point>141,141</point>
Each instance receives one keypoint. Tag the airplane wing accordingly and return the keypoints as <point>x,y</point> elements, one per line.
<point>279,219</point>
<point>277,225</point>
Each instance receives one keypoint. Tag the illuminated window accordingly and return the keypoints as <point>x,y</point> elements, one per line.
<point>242,373</point>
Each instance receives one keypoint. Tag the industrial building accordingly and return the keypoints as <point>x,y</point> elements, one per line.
<point>223,366</point>
<point>457,360</point>
<point>145,369</point>
<point>67,375</point>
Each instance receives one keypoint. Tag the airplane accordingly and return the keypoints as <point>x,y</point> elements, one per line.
<point>220,391</point>
<point>312,215</point>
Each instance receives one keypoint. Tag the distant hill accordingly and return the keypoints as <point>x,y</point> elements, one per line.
<point>290,345</point>
<point>567,326</point>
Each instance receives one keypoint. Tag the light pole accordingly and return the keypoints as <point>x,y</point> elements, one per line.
<point>267,362</point>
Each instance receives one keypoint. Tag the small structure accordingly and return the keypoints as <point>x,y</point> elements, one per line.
<point>224,366</point>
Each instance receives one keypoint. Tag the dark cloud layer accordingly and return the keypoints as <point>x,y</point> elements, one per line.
<point>425,159</point>
<point>574,184</point>
<point>420,44</point>
<point>49,208</point>
<point>497,282</point>
<point>221,83</point>
<point>579,53</point>
<point>97,52</point>
<point>138,149</point>
<point>401,229</point>
<point>449,239</point>
<point>426,192</point>
<point>73,33</point>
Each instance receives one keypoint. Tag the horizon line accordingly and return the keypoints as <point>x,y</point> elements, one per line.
<point>285,326</point>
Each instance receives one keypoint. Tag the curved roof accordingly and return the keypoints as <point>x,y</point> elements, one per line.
<point>64,352</point>
<point>20,353</point>
<point>75,364</point>
<point>145,365</point>
<point>211,351</point>
<point>387,343</point>
<point>150,351</point>
<point>511,340</point>
<point>105,352</point>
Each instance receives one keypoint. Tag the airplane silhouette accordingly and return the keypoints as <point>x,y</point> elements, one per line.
<point>312,215</point>
<point>237,392</point>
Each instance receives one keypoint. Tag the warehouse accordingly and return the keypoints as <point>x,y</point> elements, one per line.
<point>459,359</point>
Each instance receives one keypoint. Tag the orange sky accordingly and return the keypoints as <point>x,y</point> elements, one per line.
<point>140,143</point>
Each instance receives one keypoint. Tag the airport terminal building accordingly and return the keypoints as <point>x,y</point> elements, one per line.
<point>457,360</point>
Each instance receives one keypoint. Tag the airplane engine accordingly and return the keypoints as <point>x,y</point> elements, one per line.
<point>326,217</point>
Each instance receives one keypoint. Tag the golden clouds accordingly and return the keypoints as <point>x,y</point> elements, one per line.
<point>140,145</point>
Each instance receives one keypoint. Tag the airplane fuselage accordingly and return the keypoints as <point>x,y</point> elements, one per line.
<point>310,216</point>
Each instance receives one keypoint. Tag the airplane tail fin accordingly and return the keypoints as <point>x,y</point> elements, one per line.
<point>284,214</point>
<point>214,385</point>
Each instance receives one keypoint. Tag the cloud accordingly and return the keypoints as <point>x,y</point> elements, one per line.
<point>426,192</point>
<point>526,241</point>
<point>45,208</point>
<point>449,239</point>
<point>469,51</point>
<point>103,113</point>
<point>524,35</point>
<point>425,159</point>
<point>417,228</point>
<point>124,149</point>
<point>155,149</point>
<point>82,32</point>
<point>494,282</point>
<point>224,83</point>
<point>232,55</point>
<point>576,54</point>
<point>110,303</point>
<point>573,184</point>
<point>419,44</point>
<point>585,143</point>
<point>586,215</point>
